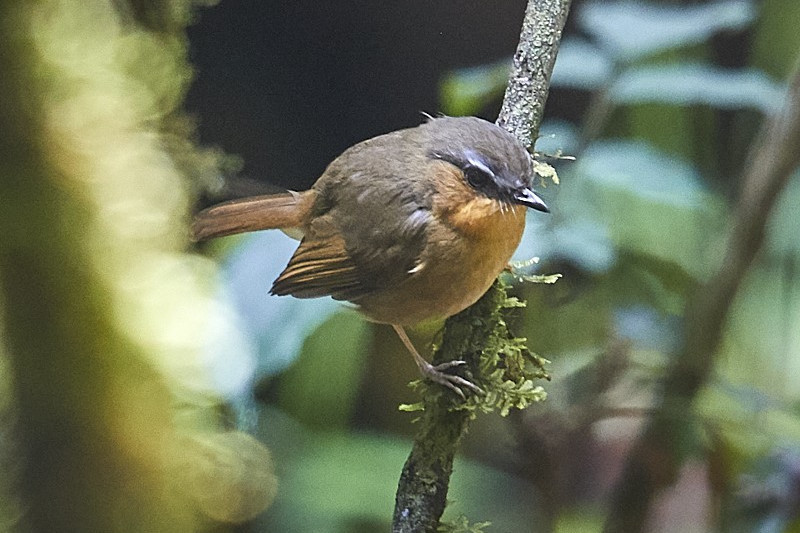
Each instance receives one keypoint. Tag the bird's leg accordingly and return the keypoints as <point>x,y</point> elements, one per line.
<point>435,373</point>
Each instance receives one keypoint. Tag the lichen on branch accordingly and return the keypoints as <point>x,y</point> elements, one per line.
<point>500,364</point>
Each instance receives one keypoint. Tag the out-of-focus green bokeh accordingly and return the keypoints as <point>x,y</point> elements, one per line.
<point>110,418</point>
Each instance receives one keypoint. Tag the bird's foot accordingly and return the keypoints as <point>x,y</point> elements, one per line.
<point>436,374</point>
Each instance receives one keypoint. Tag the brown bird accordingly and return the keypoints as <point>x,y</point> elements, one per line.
<point>409,226</point>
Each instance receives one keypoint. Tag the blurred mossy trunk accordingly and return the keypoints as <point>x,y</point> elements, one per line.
<point>72,370</point>
<point>92,203</point>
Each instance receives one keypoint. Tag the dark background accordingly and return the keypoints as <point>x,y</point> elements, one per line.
<point>289,85</point>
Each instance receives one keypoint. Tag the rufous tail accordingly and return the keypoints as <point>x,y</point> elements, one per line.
<point>284,211</point>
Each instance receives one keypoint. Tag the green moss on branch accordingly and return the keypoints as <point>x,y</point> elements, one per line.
<point>497,362</point>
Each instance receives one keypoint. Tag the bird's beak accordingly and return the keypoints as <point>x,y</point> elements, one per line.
<point>528,198</point>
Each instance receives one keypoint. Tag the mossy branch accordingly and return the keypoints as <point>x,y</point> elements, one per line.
<point>498,362</point>
<point>502,366</point>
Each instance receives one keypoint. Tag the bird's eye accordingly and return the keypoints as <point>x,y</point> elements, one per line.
<point>478,177</point>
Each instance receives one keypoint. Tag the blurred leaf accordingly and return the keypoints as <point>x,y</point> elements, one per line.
<point>760,346</point>
<point>228,474</point>
<point>580,520</point>
<point>465,91</point>
<point>768,495</point>
<point>784,224</point>
<point>581,65</point>
<point>580,241</point>
<point>695,84</point>
<point>330,480</point>
<point>652,203</point>
<point>665,127</point>
<point>279,325</point>
<point>320,387</point>
<point>735,413</point>
<point>636,167</point>
<point>647,328</point>
<point>653,281</point>
<point>630,30</point>
<point>573,315</point>
<point>625,194</point>
<point>334,479</point>
<point>775,42</point>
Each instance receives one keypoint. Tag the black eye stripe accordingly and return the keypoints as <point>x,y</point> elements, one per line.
<point>478,177</point>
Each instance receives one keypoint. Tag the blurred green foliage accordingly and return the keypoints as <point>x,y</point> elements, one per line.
<point>331,359</point>
<point>334,481</point>
<point>110,421</point>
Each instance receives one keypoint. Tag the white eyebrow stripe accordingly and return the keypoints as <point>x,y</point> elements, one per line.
<point>417,268</point>
<point>476,162</point>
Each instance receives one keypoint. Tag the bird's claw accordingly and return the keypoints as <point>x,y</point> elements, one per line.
<point>447,365</point>
<point>451,381</point>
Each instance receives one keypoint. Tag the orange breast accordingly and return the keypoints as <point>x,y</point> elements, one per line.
<point>470,241</point>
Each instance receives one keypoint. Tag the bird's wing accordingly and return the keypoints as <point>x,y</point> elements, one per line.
<point>321,266</point>
<point>366,235</point>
